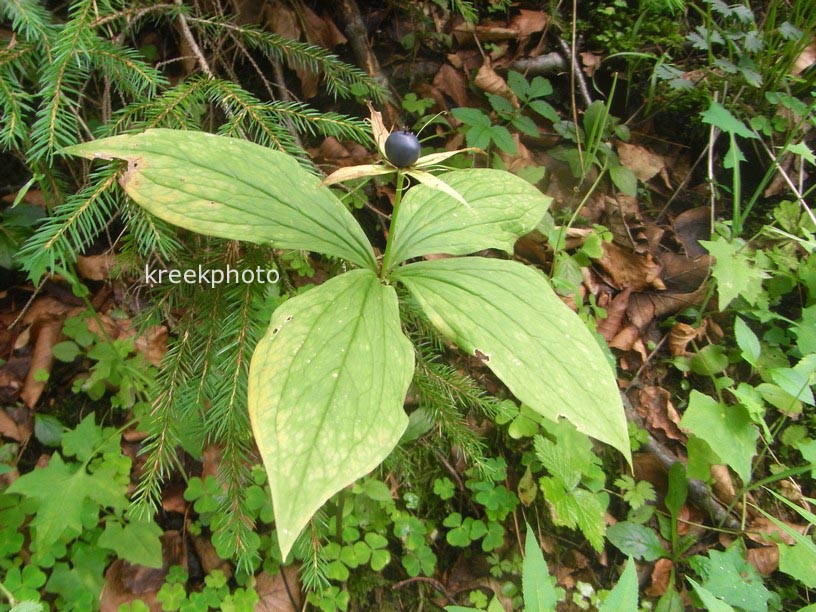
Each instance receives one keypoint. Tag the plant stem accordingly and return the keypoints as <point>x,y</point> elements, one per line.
<point>736,193</point>
<point>8,595</point>
<point>386,263</point>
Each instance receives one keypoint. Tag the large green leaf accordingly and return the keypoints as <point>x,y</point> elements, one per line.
<point>728,430</point>
<point>536,583</point>
<point>500,208</point>
<point>234,189</point>
<point>326,389</point>
<point>507,314</point>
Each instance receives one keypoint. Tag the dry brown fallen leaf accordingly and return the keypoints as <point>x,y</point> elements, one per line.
<point>679,337</point>
<point>765,559</point>
<point>615,310</point>
<point>806,59</point>
<point>661,574</point>
<point>210,561</point>
<point>115,593</point>
<point>763,531</point>
<point>95,267</point>
<point>489,81</point>
<point>692,226</point>
<point>629,339</point>
<point>8,428</point>
<point>722,483</point>
<point>152,343</point>
<point>125,582</point>
<point>640,160</point>
<point>488,32</point>
<point>627,269</point>
<point>591,62</point>
<point>452,83</point>
<point>12,374</point>
<point>279,592</point>
<point>42,358</point>
<point>527,22</point>
<point>656,408</point>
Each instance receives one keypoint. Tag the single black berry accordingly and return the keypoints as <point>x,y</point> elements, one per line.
<point>402,148</point>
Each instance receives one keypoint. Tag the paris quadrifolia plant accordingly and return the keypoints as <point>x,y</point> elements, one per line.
<point>329,379</point>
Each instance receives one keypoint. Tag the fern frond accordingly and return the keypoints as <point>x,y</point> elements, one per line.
<point>160,448</point>
<point>179,107</point>
<point>308,120</point>
<point>128,73</point>
<point>16,54</point>
<point>466,9</point>
<point>148,235</point>
<point>73,225</point>
<point>16,105</point>
<point>28,18</point>
<point>57,123</point>
<point>235,330</point>
<point>250,118</point>
<point>341,78</point>
<point>129,17</point>
<point>440,389</point>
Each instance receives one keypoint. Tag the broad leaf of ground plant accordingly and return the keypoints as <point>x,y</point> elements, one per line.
<point>624,597</point>
<point>326,389</point>
<point>62,490</point>
<point>506,313</point>
<point>539,593</point>
<point>234,189</point>
<point>500,208</point>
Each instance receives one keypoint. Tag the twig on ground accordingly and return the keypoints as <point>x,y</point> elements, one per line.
<point>355,29</point>
<point>549,63</point>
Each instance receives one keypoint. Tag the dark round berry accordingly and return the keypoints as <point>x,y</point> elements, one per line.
<point>402,148</point>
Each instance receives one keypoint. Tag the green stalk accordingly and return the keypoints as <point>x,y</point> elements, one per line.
<point>736,193</point>
<point>386,262</point>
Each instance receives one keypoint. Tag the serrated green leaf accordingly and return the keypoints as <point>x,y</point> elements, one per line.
<point>720,117</point>
<point>799,561</point>
<point>624,597</point>
<point>471,116</point>
<point>794,383</point>
<point>709,360</point>
<point>590,517</point>
<point>562,460</point>
<point>326,389</point>
<point>62,490</point>
<point>735,580</point>
<point>624,179</point>
<point>727,430</point>
<point>747,341</point>
<point>712,603</point>
<point>86,439</point>
<point>137,542</point>
<point>47,429</point>
<point>678,488</point>
<point>501,208</point>
<point>503,139</point>
<point>735,272</point>
<point>507,315</point>
<point>66,351</point>
<point>635,541</point>
<point>234,189</point>
<point>546,110</point>
<point>536,582</point>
